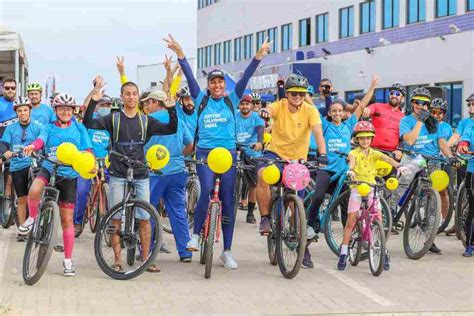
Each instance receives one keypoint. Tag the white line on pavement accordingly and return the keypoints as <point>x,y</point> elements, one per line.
<point>382,301</point>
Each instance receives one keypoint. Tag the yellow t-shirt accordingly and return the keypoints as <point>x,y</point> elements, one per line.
<point>291,131</point>
<point>364,167</point>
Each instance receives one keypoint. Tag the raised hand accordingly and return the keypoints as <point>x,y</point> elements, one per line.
<point>264,50</point>
<point>167,62</point>
<point>99,87</point>
<point>375,81</point>
<point>120,65</point>
<point>172,44</point>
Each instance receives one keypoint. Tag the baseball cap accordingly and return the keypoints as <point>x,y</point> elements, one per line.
<point>214,74</point>
<point>156,95</point>
<point>246,98</point>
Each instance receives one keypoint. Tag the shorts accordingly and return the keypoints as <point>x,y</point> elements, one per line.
<point>67,187</point>
<point>251,173</point>
<point>117,191</point>
<point>355,201</point>
<point>270,155</point>
<point>20,180</point>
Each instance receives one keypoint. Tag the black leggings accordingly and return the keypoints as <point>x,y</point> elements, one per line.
<point>470,198</point>
<point>323,186</point>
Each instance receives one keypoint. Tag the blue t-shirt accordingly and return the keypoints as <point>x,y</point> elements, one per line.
<point>7,115</point>
<point>468,136</point>
<point>18,138</point>
<point>445,130</point>
<point>43,114</point>
<point>53,136</point>
<point>426,143</point>
<point>338,138</point>
<point>190,120</point>
<point>463,124</point>
<point>174,142</point>
<point>100,140</point>
<point>247,131</point>
<point>217,123</point>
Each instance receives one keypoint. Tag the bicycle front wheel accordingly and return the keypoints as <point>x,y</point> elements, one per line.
<point>239,178</point>
<point>387,220</point>
<point>8,214</point>
<point>143,236</point>
<point>422,223</point>
<point>41,241</point>
<point>462,210</point>
<point>291,236</point>
<point>209,239</point>
<point>165,219</point>
<point>377,249</point>
<point>445,221</point>
<point>355,245</point>
<point>271,242</point>
<point>193,191</point>
<point>334,230</point>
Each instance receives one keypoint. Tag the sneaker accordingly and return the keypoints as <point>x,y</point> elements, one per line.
<point>386,262</point>
<point>341,264</point>
<point>307,262</point>
<point>77,230</point>
<point>310,233</point>
<point>26,227</point>
<point>164,249</point>
<point>185,259</point>
<point>251,218</point>
<point>228,261</point>
<point>435,249</point>
<point>265,227</point>
<point>68,268</point>
<point>21,238</point>
<point>468,252</point>
<point>193,244</point>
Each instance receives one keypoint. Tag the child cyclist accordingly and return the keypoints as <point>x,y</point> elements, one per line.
<point>362,161</point>
<point>64,129</point>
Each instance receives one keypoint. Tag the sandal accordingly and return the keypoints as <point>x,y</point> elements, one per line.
<point>153,268</point>
<point>117,267</point>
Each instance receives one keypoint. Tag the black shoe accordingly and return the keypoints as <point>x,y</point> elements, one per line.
<point>185,259</point>
<point>21,238</point>
<point>251,218</point>
<point>307,262</point>
<point>435,249</point>
<point>164,249</point>
<point>58,248</point>
<point>335,217</point>
<point>265,226</point>
<point>394,231</point>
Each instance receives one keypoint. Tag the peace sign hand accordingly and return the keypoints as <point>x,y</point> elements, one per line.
<point>172,44</point>
<point>120,65</point>
<point>167,62</point>
<point>264,49</point>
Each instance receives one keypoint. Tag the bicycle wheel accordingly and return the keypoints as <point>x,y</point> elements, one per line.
<point>462,210</point>
<point>355,245</point>
<point>377,248</point>
<point>422,223</point>
<point>445,222</point>
<point>291,236</point>
<point>102,208</point>
<point>271,242</point>
<point>334,230</point>
<point>165,219</point>
<point>387,219</point>
<point>8,213</point>
<point>239,178</point>
<point>193,191</point>
<point>41,241</point>
<point>209,241</point>
<point>111,229</point>
<point>93,209</point>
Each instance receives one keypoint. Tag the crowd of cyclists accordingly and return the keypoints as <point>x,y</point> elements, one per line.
<point>192,120</point>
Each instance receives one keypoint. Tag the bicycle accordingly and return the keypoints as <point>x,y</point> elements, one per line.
<point>368,230</point>
<point>288,226</point>
<point>42,237</point>
<point>120,223</point>
<point>462,205</point>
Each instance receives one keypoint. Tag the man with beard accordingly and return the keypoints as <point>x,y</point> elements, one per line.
<point>41,113</point>
<point>7,114</point>
<point>386,119</point>
<point>186,111</point>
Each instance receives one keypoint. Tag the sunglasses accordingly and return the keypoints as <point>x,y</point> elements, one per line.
<point>469,104</point>
<point>9,88</point>
<point>256,102</point>
<point>437,112</point>
<point>395,93</point>
<point>421,102</point>
<point>327,87</point>
<point>300,94</point>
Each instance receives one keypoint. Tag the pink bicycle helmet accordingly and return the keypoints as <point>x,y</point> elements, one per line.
<point>296,176</point>
<point>64,99</point>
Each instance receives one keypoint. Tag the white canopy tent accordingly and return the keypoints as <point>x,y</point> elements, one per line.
<point>13,61</point>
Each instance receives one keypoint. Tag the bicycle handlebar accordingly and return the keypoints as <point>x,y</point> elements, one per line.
<point>129,161</point>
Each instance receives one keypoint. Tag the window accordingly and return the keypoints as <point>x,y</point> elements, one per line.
<point>238,49</point>
<point>346,22</point>
<point>390,13</point>
<point>286,37</point>
<point>350,95</point>
<point>455,102</point>
<point>202,57</point>
<point>217,54</point>
<point>322,28</point>
<point>273,37</point>
<point>470,5</point>
<point>367,17</point>
<point>382,95</point>
<point>305,32</point>
<point>445,8</point>
<point>227,52</point>
<point>260,39</point>
<point>208,55</point>
<point>416,11</point>
<point>248,46</point>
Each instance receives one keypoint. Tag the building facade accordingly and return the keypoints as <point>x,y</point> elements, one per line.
<point>413,42</point>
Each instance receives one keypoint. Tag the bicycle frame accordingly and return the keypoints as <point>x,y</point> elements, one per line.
<point>214,200</point>
<point>367,216</point>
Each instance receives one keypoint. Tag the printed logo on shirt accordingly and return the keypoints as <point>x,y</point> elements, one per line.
<point>212,120</point>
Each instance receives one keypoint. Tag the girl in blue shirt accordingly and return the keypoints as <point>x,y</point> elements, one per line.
<point>215,128</point>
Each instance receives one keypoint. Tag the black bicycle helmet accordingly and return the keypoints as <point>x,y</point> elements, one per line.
<point>296,81</point>
<point>105,99</point>
<point>183,93</point>
<point>399,87</point>
<point>116,104</point>
<point>470,98</point>
<point>439,103</point>
<point>420,92</point>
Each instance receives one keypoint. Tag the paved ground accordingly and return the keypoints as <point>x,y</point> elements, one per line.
<point>435,285</point>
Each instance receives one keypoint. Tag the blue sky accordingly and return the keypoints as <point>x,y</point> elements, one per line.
<point>78,39</point>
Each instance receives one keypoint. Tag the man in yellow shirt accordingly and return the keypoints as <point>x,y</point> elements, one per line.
<point>293,122</point>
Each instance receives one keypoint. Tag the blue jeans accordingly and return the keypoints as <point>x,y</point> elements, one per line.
<point>172,189</point>
<point>83,188</point>
<point>117,192</point>
<point>226,195</point>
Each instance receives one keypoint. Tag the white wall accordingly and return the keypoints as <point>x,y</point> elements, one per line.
<point>155,73</point>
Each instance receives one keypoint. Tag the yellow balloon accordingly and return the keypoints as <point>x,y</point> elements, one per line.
<point>157,156</point>
<point>383,168</point>
<point>439,180</point>
<point>219,160</point>
<point>84,162</point>
<point>271,174</point>
<point>107,161</point>
<point>392,184</point>
<point>66,153</point>
<point>267,138</point>
<point>87,175</point>
<point>364,189</point>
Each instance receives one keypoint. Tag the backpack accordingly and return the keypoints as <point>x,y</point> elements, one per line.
<point>116,129</point>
